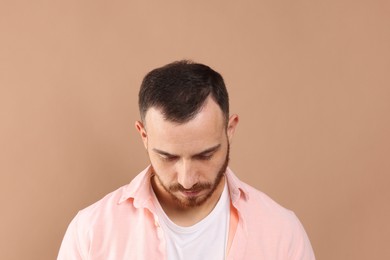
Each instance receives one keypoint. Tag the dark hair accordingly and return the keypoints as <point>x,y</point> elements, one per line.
<point>180,89</point>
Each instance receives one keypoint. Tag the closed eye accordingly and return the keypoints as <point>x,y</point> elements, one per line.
<point>204,157</point>
<point>168,158</point>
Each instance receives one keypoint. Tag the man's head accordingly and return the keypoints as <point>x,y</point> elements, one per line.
<point>180,89</point>
<point>186,130</point>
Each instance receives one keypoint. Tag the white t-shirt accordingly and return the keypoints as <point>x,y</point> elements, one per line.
<point>206,239</point>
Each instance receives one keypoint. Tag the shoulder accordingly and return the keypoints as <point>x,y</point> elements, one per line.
<point>259,211</point>
<point>105,204</point>
<point>252,201</point>
<point>271,224</point>
<point>119,201</point>
<point>261,205</point>
<point>109,219</point>
<point>96,215</point>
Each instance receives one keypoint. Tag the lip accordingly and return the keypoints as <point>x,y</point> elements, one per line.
<point>190,193</point>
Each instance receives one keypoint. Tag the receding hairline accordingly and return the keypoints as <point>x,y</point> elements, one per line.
<point>194,114</point>
<point>209,98</point>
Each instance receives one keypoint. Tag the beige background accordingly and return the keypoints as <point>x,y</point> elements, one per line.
<point>310,80</point>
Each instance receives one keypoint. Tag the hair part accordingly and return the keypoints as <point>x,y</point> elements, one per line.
<point>179,90</point>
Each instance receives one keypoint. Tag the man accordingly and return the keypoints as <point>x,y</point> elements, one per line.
<point>187,204</point>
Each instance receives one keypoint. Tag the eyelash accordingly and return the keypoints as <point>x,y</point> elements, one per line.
<point>205,157</point>
<point>199,157</point>
<point>168,159</point>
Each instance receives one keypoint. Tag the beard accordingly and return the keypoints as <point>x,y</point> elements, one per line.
<point>195,201</point>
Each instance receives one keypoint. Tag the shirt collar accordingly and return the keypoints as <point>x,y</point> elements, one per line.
<point>139,188</point>
<point>237,188</point>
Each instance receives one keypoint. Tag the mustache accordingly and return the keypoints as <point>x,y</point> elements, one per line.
<point>196,188</point>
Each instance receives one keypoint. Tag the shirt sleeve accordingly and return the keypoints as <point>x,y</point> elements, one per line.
<point>300,247</point>
<point>70,247</point>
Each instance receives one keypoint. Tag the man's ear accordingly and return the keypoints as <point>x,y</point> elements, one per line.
<point>232,124</point>
<point>142,132</point>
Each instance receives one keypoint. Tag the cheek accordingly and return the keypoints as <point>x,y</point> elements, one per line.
<point>166,171</point>
<point>209,169</point>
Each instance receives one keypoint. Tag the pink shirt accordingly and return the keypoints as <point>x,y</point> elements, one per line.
<point>124,225</point>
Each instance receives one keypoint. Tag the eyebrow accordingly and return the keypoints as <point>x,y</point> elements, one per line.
<point>208,150</point>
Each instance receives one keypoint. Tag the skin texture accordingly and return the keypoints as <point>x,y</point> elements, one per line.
<point>188,160</point>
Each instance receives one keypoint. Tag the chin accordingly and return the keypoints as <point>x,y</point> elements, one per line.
<point>192,202</point>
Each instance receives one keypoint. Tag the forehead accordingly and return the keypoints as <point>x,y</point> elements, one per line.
<point>205,129</point>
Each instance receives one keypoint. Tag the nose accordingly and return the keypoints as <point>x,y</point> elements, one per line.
<point>186,174</point>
